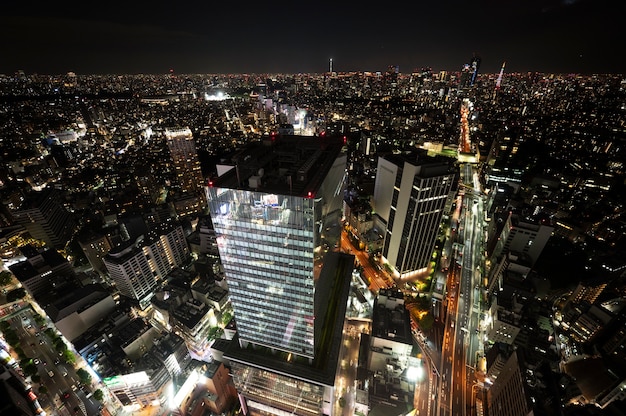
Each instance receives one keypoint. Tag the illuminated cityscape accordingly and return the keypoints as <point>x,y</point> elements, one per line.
<point>336,243</point>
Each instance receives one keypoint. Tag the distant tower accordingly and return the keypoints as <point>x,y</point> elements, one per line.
<point>466,76</point>
<point>499,81</point>
<point>475,64</point>
<point>331,66</point>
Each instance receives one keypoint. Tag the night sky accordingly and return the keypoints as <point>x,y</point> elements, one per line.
<point>131,37</point>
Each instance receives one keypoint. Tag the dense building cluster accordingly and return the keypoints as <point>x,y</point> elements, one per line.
<point>319,243</point>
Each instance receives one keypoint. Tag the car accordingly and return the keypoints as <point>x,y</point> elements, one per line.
<point>51,373</point>
<point>41,342</point>
<point>66,395</point>
<point>36,361</point>
<point>57,361</point>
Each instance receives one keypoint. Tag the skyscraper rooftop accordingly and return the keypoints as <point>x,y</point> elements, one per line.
<point>287,165</point>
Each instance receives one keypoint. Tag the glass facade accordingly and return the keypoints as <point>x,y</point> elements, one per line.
<point>266,244</point>
<point>425,210</point>
<point>271,393</point>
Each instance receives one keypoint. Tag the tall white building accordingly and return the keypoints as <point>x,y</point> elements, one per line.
<point>138,267</point>
<point>410,195</point>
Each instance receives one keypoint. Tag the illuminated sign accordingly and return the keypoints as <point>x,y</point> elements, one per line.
<point>126,380</point>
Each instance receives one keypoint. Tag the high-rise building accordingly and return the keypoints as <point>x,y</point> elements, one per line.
<point>137,267</point>
<point>185,159</point>
<point>522,236</point>
<point>45,218</point>
<point>505,387</point>
<point>276,214</point>
<point>43,272</point>
<point>95,246</point>
<point>272,214</point>
<point>410,195</point>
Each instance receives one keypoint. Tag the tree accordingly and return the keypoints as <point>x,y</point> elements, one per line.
<point>98,395</point>
<point>5,278</point>
<point>59,345</point>
<point>84,376</point>
<point>40,320</point>
<point>43,390</point>
<point>215,332</point>
<point>29,368</point>
<point>16,294</point>
<point>342,402</point>
<point>69,356</point>
<point>11,337</point>
<point>226,318</point>
<point>423,303</point>
<point>426,322</point>
<point>20,353</point>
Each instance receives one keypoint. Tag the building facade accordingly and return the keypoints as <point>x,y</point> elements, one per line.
<point>522,236</point>
<point>273,224</point>
<point>277,217</point>
<point>182,148</point>
<point>138,268</point>
<point>45,218</point>
<point>410,195</point>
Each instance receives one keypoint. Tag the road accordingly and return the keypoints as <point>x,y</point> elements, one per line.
<point>461,344</point>
<point>378,278</point>
<point>347,367</point>
<point>64,395</point>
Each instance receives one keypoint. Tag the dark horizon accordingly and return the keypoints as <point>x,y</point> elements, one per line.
<point>549,36</point>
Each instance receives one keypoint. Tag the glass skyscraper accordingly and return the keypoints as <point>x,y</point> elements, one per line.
<point>276,213</point>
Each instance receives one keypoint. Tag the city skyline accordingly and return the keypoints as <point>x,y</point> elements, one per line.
<point>553,36</point>
<point>171,302</point>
